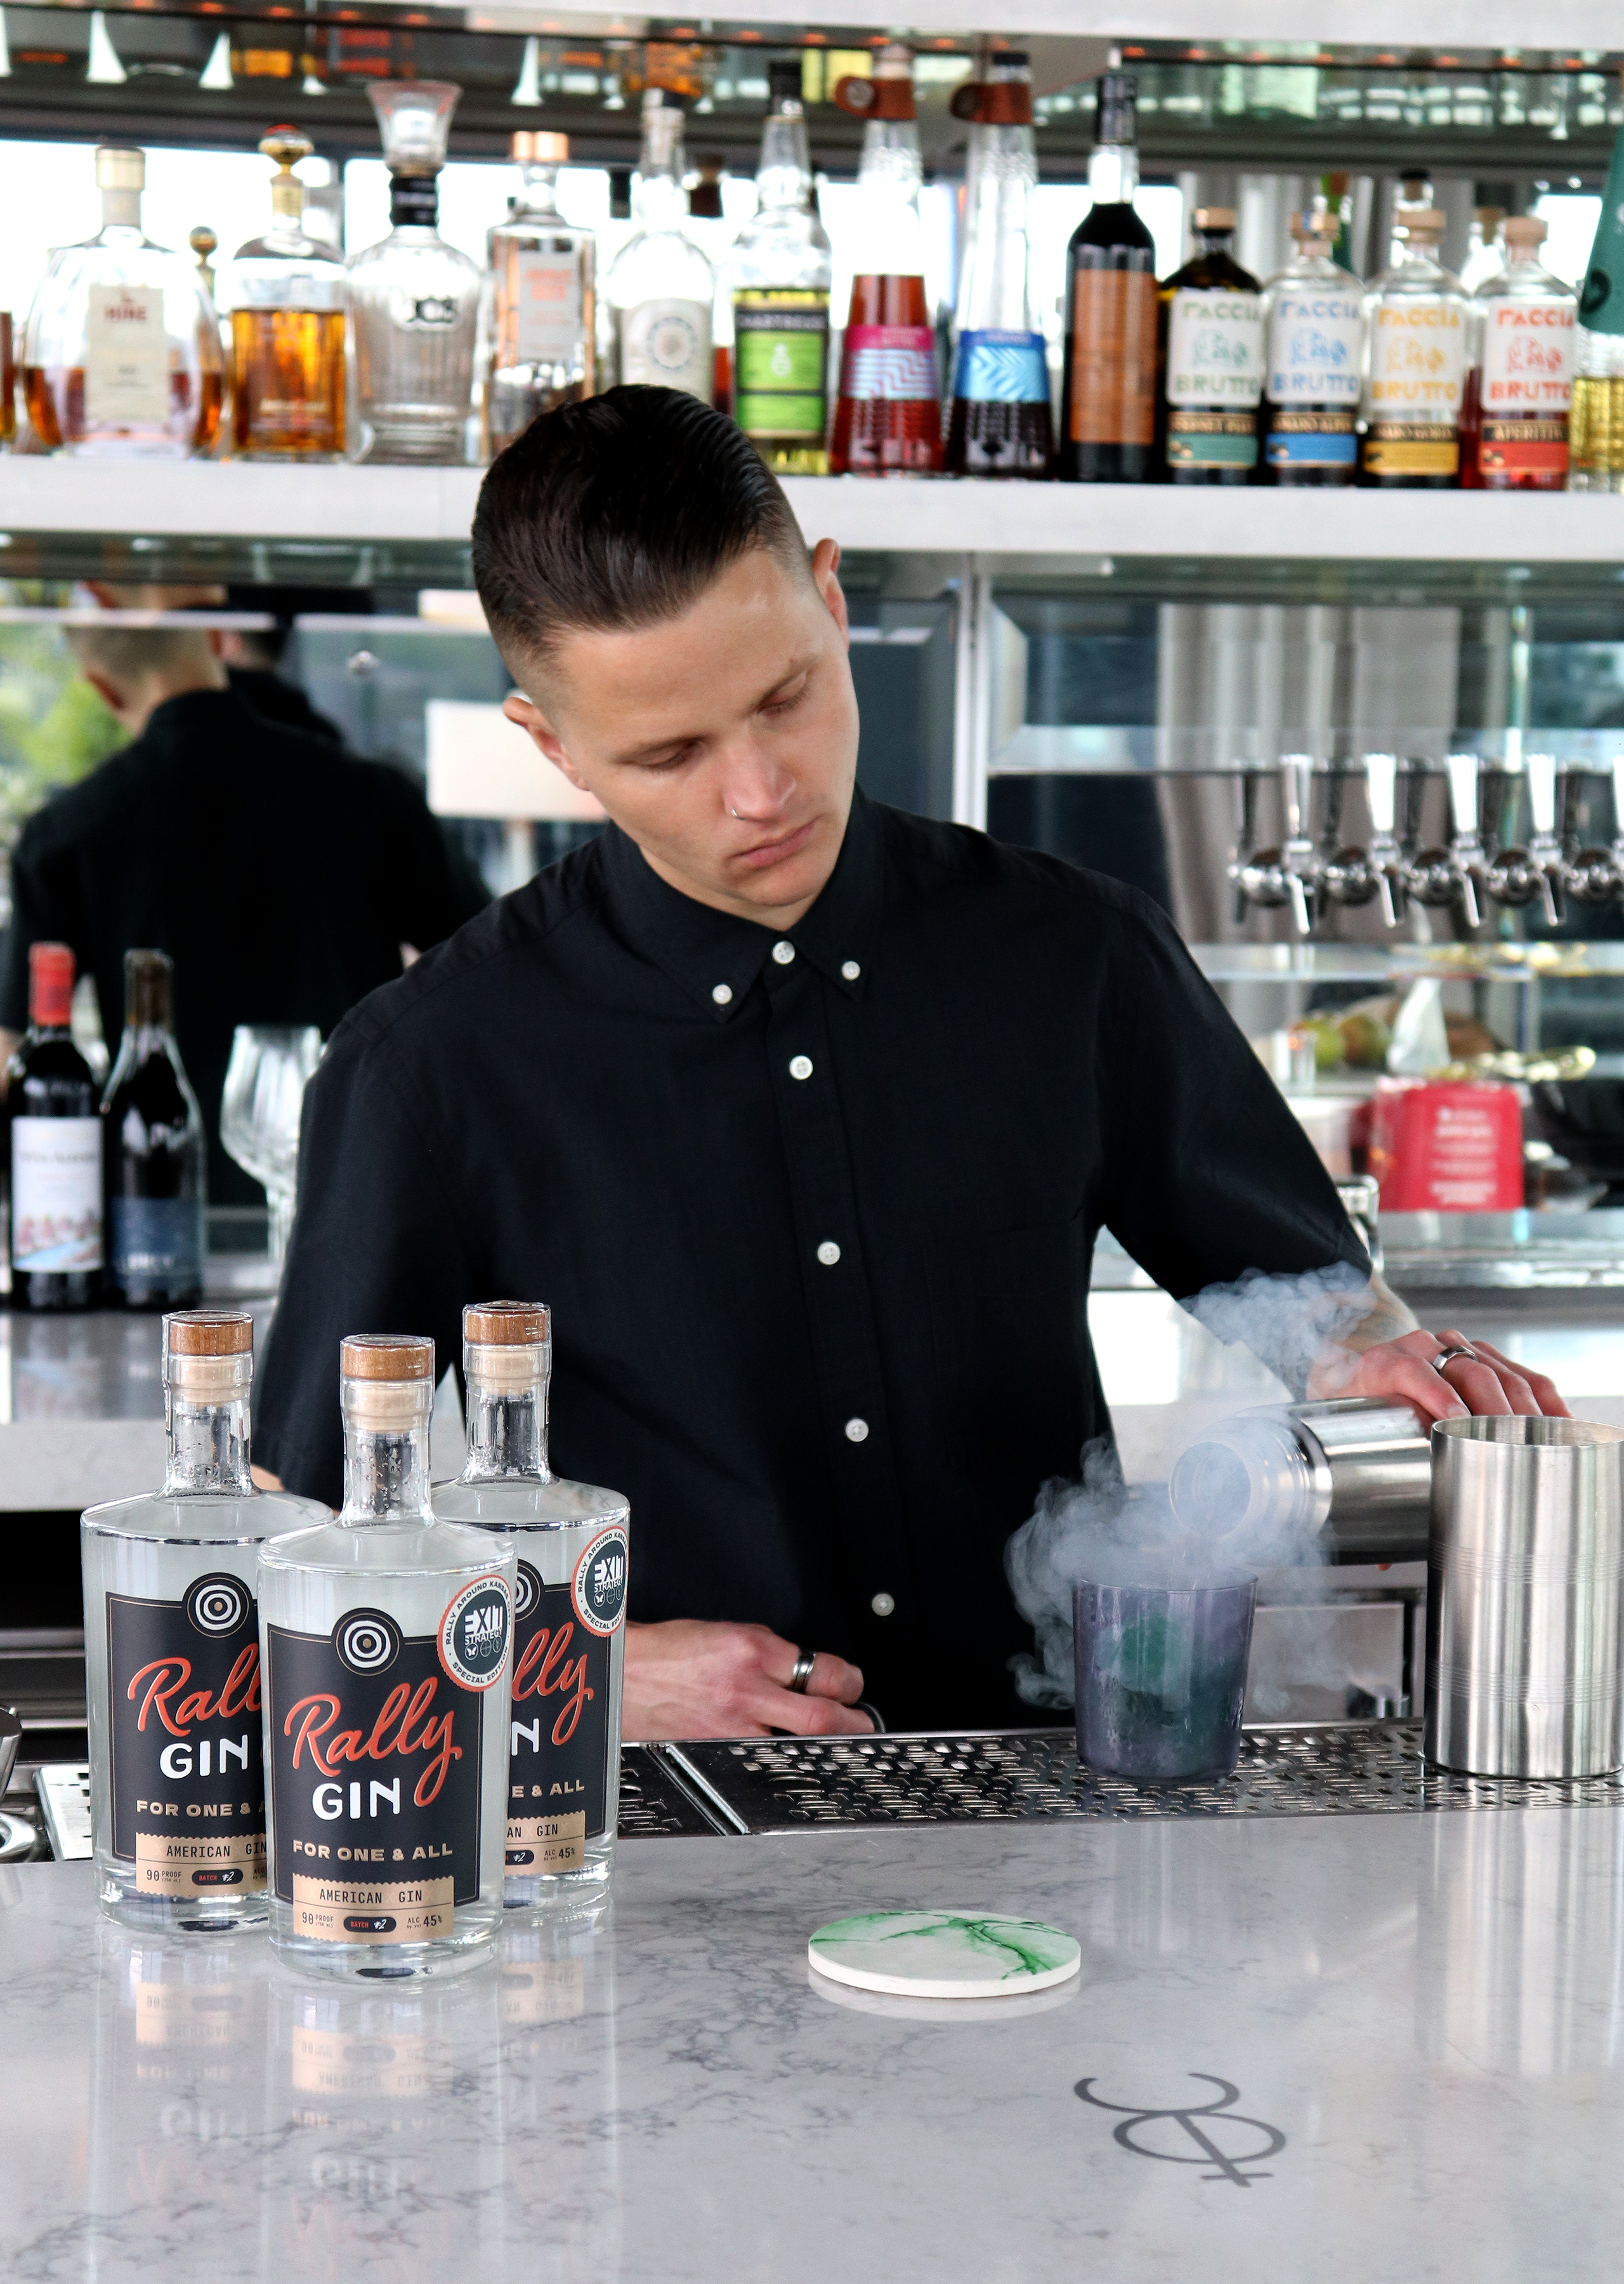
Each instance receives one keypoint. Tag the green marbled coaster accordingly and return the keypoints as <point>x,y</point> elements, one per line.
<point>943,1955</point>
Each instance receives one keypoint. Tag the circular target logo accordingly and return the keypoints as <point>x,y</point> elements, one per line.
<point>598,1587</point>
<point>218,1604</point>
<point>473,1633</point>
<point>368,1641</point>
<point>528,1592</point>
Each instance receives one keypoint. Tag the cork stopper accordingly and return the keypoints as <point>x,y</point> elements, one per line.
<point>286,147</point>
<point>208,1354</point>
<point>532,147</point>
<point>1321,223</point>
<point>387,1383</point>
<point>506,1323</point>
<point>1525,230</point>
<point>387,1356</point>
<point>1421,222</point>
<point>1215,217</point>
<point>120,169</point>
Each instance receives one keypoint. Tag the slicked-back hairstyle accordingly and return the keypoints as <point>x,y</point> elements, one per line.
<point>617,513</point>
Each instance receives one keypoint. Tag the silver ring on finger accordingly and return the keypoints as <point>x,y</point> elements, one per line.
<point>805,1660</point>
<point>1448,1356</point>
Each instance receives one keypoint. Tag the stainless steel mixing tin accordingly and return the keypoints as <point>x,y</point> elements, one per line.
<point>1524,1619</point>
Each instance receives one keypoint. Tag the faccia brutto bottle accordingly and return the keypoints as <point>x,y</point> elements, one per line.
<point>659,291</point>
<point>1313,360</point>
<point>782,266</point>
<point>56,1148</point>
<point>1000,422</point>
<point>1520,388</point>
<point>1211,361</point>
<point>1415,363</point>
<point>541,273</point>
<point>154,1151</point>
<point>386,1637</point>
<point>172,1651</point>
<point>569,1631</point>
<point>288,298</point>
<point>1108,387</point>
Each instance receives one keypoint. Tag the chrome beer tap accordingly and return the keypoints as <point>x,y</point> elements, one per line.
<point>1466,858</point>
<point>1271,878</point>
<point>1518,876</point>
<point>1596,875</point>
<point>1386,858</point>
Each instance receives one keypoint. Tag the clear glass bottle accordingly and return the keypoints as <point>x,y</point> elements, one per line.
<point>287,297</point>
<point>1314,359</point>
<point>54,1133</point>
<point>542,279</point>
<point>416,299</point>
<point>659,290</point>
<point>122,354</point>
<point>1595,424</point>
<point>385,1637</point>
<point>154,1152</point>
<point>1000,423</point>
<point>1211,358</point>
<point>1485,250</point>
<point>172,1651</point>
<point>1108,379</point>
<point>887,420</point>
<point>1415,365</point>
<point>569,1631</point>
<point>1519,382</point>
<point>782,269</point>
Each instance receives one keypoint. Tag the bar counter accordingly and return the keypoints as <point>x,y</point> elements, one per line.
<point>1343,2046</point>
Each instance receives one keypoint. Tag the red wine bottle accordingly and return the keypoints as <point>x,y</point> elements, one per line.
<point>55,1139</point>
<point>156,1195</point>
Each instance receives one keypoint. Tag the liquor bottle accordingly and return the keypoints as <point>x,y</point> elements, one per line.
<point>1485,252</point>
<point>542,274</point>
<point>713,234</point>
<point>416,299</point>
<point>122,354</point>
<point>8,384</point>
<point>56,1148</point>
<point>887,420</point>
<point>1314,337</point>
<point>659,290</point>
<point>389,1627</point>
<point>172,1651</point>
<point>288,299</point>
<point>782,270</point>
<point>569,1634</point>
<point>154,1152</point>
<point>1000,423</point>
<point>1519,384</point>
<point>1415,365</point>
<point>1108,384</point>
<point>1596,425</point>
<point>1211,358</point>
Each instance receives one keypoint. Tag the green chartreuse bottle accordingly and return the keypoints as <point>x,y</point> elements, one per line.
<point>1595,424</point>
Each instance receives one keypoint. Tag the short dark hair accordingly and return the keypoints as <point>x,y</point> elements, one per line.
<point>619,512</point>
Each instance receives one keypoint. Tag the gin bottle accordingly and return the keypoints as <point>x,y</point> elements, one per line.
<point>782,269</point>
<point>1108,384</point>
<point>1211,361</point>
<point>172,1652</point>
<point>386,1639</point>
<point>55,1134</point>
<point>1596,427</point>
<point>1314,356</point>
<point>541,278</point>
<point>1519,387</point>
<point>1000,423</point>
<point>415,299</point>
<point>288,298</point>
<point>122,352</point>
<point>569,1633</point>
<point>154,1151</point>
<point>1415,363</point>
<point>659,290</point>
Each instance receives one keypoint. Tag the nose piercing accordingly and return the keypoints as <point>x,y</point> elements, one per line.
<point>732,812</point>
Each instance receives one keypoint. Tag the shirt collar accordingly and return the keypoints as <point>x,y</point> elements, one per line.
<point>716,958</point>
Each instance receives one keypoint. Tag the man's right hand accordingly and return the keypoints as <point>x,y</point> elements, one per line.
<point>689,1678</point>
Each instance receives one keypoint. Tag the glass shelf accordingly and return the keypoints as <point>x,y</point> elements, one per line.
<point>1376,964</point>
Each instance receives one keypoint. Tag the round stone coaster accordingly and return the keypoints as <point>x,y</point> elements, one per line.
<point>943,1955</point>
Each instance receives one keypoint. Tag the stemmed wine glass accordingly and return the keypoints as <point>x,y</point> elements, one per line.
<point>265,1081</point>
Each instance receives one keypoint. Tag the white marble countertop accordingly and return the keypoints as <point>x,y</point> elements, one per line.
<point>1421,2019</point>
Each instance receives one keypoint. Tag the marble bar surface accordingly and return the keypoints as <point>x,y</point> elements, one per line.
<point>1350,2048</point>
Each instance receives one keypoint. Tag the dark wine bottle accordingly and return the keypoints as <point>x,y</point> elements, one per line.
<point>156,1153</point>
<point>1108,393</point>
<point>55,1150</point>
<point>1210,358</point>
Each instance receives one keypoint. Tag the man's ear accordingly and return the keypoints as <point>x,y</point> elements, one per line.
<point>529,717</point>
<point>826,579</point>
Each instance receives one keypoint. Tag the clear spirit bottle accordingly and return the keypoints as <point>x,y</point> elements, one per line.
<point>569,1632</point>
<point>172,1652</point>
<point>782,270</point>
<point>1000,422</point>
<point>1108,382</point>
<point>541,283</point>
<point>1211,361</point>
<point>659,290</point>
<point>1415,363</point>
<point>386,1639</point>
<point>122,352</point>
<point>1519,385</point>
<point>288,299</point>
<point>416,299</point>
<point>1314,361</point>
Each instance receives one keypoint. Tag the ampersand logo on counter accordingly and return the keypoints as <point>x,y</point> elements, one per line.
<point>598,1589</point>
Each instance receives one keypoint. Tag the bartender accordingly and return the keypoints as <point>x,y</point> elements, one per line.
<point>803,1114</point>
<point>284,877</point>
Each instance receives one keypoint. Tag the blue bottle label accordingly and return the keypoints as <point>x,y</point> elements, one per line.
<point>156,1240</point>
<point>1002,368</point>
<point>1304,439</point>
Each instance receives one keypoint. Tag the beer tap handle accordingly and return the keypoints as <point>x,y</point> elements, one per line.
<point>1297,782</point>
<point>1301,865</point>
<point>1381,793</point>
<point>1462,771</point>
<point>1545,848</point>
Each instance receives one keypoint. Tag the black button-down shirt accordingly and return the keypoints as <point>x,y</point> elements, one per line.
<point>815,1213</point>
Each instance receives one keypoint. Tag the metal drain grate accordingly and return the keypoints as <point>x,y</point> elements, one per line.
<point>653,1805</point>
<point>785,1784</point>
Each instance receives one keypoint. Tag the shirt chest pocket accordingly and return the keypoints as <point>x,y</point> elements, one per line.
<point>1014,1373</point>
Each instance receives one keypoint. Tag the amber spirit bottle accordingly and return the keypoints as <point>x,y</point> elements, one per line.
<point>1211,355</point>
<point>1415,365</point>
<point>1108,387</point>
<point>288,300</point>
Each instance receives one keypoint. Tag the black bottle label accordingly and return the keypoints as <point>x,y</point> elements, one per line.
<point>375,1756</point>
<point>188,1775</point>
<point>559,1767</point>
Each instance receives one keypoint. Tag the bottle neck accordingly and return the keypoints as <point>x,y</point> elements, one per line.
<point>1209,242</point>
<point>385,1451</point>
<point>507,1430</point>
<point>785,176</point>
<point>206,1416</point>
<point>540,195</point>
<point>658,200</point>
<point>414,201</point>
<point>1113,174</point>
<point>121,209</point>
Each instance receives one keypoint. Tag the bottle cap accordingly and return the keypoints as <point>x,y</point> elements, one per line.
<point>209,1332</point>
<point>1525,230</point>
<point>120,169</point>
<point>148,978</point>
<point>203,241</point>
<point>887,95</point>
<point>387,1356</point>
<point>1489,219</point>
<point>1319,224</point>
<point>531,147</point>
<point>1116,94</point>
<point>783,81</point>
<point>1212,218</point>
<point>1420,222</point>
<point>507,1323</point>
<point>50,984</point>
<point>994,102</point>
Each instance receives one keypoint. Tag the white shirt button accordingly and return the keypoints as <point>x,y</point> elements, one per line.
<point>882,1605</point>
<point>850,970</point>
<point>856,1431</point>
<point>801,1066</point>
<point>783,952</point>
<point>722,994</point>
<point>829,1252</point>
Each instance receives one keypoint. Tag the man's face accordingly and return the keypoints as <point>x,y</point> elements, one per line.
<point>724,742</point>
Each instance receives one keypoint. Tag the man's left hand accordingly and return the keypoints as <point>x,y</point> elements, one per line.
<point>1481,1380</point>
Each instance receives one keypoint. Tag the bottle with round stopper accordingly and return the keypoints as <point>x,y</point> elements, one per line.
<point>385,1637</point>
<point>542,287</point>
<point>172,1651</point>
<point>122,353</point>
<point>288,298</point>
<point>1314,356</point>
<point>1415,363</point>
<point>569,1630</point>
<point>1519,385</point>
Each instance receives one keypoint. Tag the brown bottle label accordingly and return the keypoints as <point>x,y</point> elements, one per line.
<point>1113,358</point>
